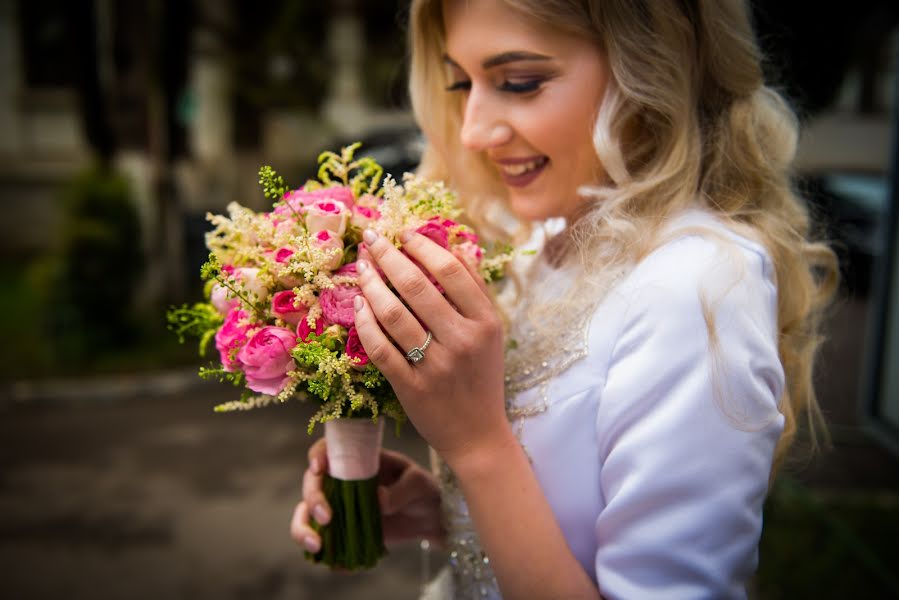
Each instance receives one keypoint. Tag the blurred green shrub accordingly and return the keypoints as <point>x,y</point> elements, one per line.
<point>87,284</point>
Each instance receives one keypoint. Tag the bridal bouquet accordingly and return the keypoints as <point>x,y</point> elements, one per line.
<point>280,289</point>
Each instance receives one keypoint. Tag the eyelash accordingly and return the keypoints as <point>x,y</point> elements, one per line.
<point>514,88</point>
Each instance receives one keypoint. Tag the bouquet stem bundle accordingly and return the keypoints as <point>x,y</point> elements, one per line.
<point>353,538</point>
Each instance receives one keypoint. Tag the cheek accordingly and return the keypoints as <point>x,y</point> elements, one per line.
<point>566,129</point>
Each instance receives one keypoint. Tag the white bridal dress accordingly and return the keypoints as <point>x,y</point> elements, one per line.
<point>651,438</point>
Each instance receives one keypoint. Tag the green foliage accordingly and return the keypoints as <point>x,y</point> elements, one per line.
<point>362,175</point>
<point>218,373</point>
<point>320,387</point>
<point>200,321</point>
<point>312,354</point>
<point>372,378</point>
<point>90,278</point>
<point>816,545</point>
<point>273,185</point>
<point>211,269</point>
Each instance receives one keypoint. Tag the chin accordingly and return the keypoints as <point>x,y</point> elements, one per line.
<point>532,208</point>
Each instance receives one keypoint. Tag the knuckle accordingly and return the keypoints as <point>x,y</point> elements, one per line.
<point>393,314</point>
<point>379,354</point>
<point>450,269</point>
<point>379,249</point>
<point>413,286</point>
<point>493,327</point>
<point>310,485</point>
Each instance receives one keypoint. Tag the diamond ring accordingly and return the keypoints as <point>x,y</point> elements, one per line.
<point>416,354</point>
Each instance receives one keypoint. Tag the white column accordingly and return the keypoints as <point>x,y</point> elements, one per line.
<point>345,106</point>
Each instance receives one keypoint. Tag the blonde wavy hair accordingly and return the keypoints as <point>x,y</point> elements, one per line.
<point>686,118</point>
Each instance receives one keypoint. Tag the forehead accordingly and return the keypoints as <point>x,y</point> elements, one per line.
<point>478,28</point>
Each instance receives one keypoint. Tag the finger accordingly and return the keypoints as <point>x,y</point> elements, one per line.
<point>473,271</point>
<point>318,457</point>
<point>412,283</point>
<point>391,466</point>
<point>395,318</point>
<point>461,288</point>
<point>315,498</point>
<point>300,530</point>
<point>413,484</point>
<point>381,352</point>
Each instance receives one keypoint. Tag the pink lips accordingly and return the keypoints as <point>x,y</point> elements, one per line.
<point>524,178</point>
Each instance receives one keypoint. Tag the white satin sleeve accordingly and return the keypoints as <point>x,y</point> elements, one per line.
<point>687,424</point>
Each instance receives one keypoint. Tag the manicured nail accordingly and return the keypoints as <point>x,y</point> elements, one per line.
<point>406,235</point>
<point>358,303</point>
<point>311,544</point>
<point>321,515</point>
<point>314,466</point>
<point>370,236</point>
<point>361,266</point>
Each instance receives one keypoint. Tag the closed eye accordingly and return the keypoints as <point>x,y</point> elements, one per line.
<point>521,88</point>
<point>507,86</point>
<point>458,85</point>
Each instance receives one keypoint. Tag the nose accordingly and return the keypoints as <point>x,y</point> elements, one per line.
<point>483,126</point>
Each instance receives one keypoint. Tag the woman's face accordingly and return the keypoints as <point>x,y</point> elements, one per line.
<point>530,98</point>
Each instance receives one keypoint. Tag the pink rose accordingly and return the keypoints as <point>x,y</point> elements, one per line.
<point>299,200</point>
<point>327,214</point>
<point>363,216</point>
<point>337,302</point>
<point>282,256</point>
<point>218,297</point>
<point>469,236</point>
<point>469,252</point>
<point>230,337</point>
<point>266,359</point>
<point>303,329</point>
<point>355,350</point>
<point>330,242</point>
<point>436,232</point>
<point>284,306</point>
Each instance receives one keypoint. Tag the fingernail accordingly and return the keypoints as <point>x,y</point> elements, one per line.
<point>361,266</point>
<point>314,465</point>
<point>358,303</point>
<point>406,235</point>
<point>370,236</point>
<point>311,544</point>
<point>321,515</point>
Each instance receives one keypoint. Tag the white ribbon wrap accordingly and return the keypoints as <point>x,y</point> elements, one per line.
<point>354,447</point>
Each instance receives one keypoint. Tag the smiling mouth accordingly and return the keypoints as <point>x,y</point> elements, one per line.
<point>522,173</point>
<point>522,168</point>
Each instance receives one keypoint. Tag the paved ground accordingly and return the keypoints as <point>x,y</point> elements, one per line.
<point>135,489</point>
<point>157,497</point>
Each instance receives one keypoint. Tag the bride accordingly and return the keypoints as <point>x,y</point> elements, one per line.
<point>611,430</point>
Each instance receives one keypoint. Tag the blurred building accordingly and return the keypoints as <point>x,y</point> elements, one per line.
<point>188,99</point>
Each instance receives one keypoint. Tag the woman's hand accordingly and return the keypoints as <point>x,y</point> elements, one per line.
<point>454,395</point>
<point>408,496</point>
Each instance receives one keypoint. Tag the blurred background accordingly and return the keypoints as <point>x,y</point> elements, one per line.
<point>122,123</point>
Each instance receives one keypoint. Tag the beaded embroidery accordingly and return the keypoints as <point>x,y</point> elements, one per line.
<point>538,358</point>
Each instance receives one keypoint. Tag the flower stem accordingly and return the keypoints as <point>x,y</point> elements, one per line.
<point>353,540</point>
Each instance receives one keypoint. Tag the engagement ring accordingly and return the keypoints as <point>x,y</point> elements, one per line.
<point>416,354</point>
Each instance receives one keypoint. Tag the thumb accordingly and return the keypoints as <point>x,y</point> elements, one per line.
<point>406,489</point>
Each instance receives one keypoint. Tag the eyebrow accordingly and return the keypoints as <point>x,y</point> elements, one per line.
<point>503,58</point>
